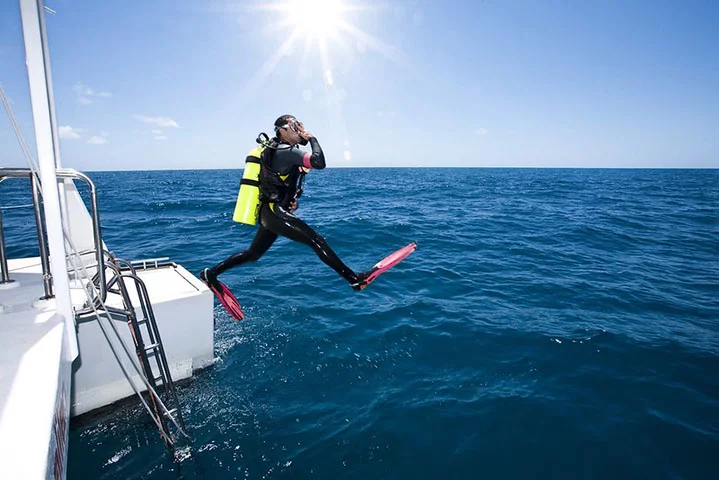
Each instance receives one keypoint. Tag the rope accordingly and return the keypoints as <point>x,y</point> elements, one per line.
<point>133,360</point>
<point>74,255</point>
<point>18,132</point>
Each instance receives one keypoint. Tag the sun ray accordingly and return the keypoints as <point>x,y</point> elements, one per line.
<point>318,20</point>
<point>306,51</point>
<point>320,25</point>
<point>258,79</point>
<point>334,101</point>
<point>375,43</point>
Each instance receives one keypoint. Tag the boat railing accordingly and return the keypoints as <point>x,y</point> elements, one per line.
<point>5,273</point>
<point>63,173</point>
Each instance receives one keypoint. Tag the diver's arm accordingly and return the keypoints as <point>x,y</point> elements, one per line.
<point>316,159</point>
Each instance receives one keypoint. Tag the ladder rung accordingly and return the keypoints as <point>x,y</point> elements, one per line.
<point>154,349</point>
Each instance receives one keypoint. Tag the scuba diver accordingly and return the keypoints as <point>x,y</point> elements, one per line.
<point>269,192</point>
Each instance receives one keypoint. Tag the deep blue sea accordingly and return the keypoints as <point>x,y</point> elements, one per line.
<point>553,323</point>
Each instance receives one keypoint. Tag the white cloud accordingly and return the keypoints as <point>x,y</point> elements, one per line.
<point>84,94</point>
<point>481,131</point>
<point>157,132</point>
<point>158,121</point>
<point>69,133</point>
<point>97,140</point>
<point>160,138</point>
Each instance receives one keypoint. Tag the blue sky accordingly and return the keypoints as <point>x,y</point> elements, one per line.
<point>189,84</point>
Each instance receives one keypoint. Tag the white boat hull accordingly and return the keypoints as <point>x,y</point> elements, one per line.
<point>183,308</point>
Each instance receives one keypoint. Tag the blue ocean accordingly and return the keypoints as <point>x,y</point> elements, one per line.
<point>553,323</point>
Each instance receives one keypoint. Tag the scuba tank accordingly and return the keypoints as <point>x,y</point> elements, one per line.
<point>247,208</point>
<point>248,198</point>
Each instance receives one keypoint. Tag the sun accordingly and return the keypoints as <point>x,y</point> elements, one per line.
<point>327,29</point>
<point>315,18</point>
<point>320,25</point>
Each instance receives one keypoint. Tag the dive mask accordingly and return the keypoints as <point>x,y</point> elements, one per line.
<point>297,128</point>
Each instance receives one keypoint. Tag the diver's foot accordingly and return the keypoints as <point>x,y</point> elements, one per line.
<point>361,282</point>
<point>208,277</point>
<point>223,294</point>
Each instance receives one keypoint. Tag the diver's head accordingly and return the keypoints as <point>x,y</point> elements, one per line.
<point>287,130</point>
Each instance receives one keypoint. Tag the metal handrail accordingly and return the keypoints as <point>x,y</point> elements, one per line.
<point>3,256</point>
<point>161,413</point>
<point>97,235</point>
<point>41,235</point>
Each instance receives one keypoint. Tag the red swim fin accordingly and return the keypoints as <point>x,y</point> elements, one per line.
<point>227,299</point>
<point>385,264</point>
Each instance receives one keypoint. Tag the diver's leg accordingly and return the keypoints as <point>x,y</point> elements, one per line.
<point>264,238</point>
<point>283,222</point>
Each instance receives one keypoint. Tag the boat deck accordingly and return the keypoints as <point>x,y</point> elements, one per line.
<point>34,375</point>
<point>183,308</point>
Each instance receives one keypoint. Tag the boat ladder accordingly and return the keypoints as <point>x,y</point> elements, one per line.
<point>165,407</point>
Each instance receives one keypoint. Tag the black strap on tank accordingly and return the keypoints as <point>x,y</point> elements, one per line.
<point>250,182</point>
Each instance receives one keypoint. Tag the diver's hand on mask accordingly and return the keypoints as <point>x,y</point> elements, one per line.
<point>304,133</point>
<point>305,137</point>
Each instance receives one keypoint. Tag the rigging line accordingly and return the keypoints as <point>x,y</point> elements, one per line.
<point>73,259</point>
<point>34,171</point>
<point>16,128</point>
<point>34,167</point>
<point>133,361</point>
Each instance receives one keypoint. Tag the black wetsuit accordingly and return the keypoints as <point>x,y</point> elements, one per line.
<point>276,219</point>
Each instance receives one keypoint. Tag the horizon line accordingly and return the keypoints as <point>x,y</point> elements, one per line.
<point>419,167</point>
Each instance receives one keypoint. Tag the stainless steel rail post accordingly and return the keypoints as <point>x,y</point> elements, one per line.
<point>97,234</point>
<point>3,255</point>
<point>39,222</point>
<point>42,244</point>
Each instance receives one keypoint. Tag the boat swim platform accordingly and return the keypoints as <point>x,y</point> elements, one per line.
<point>183,310</point>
